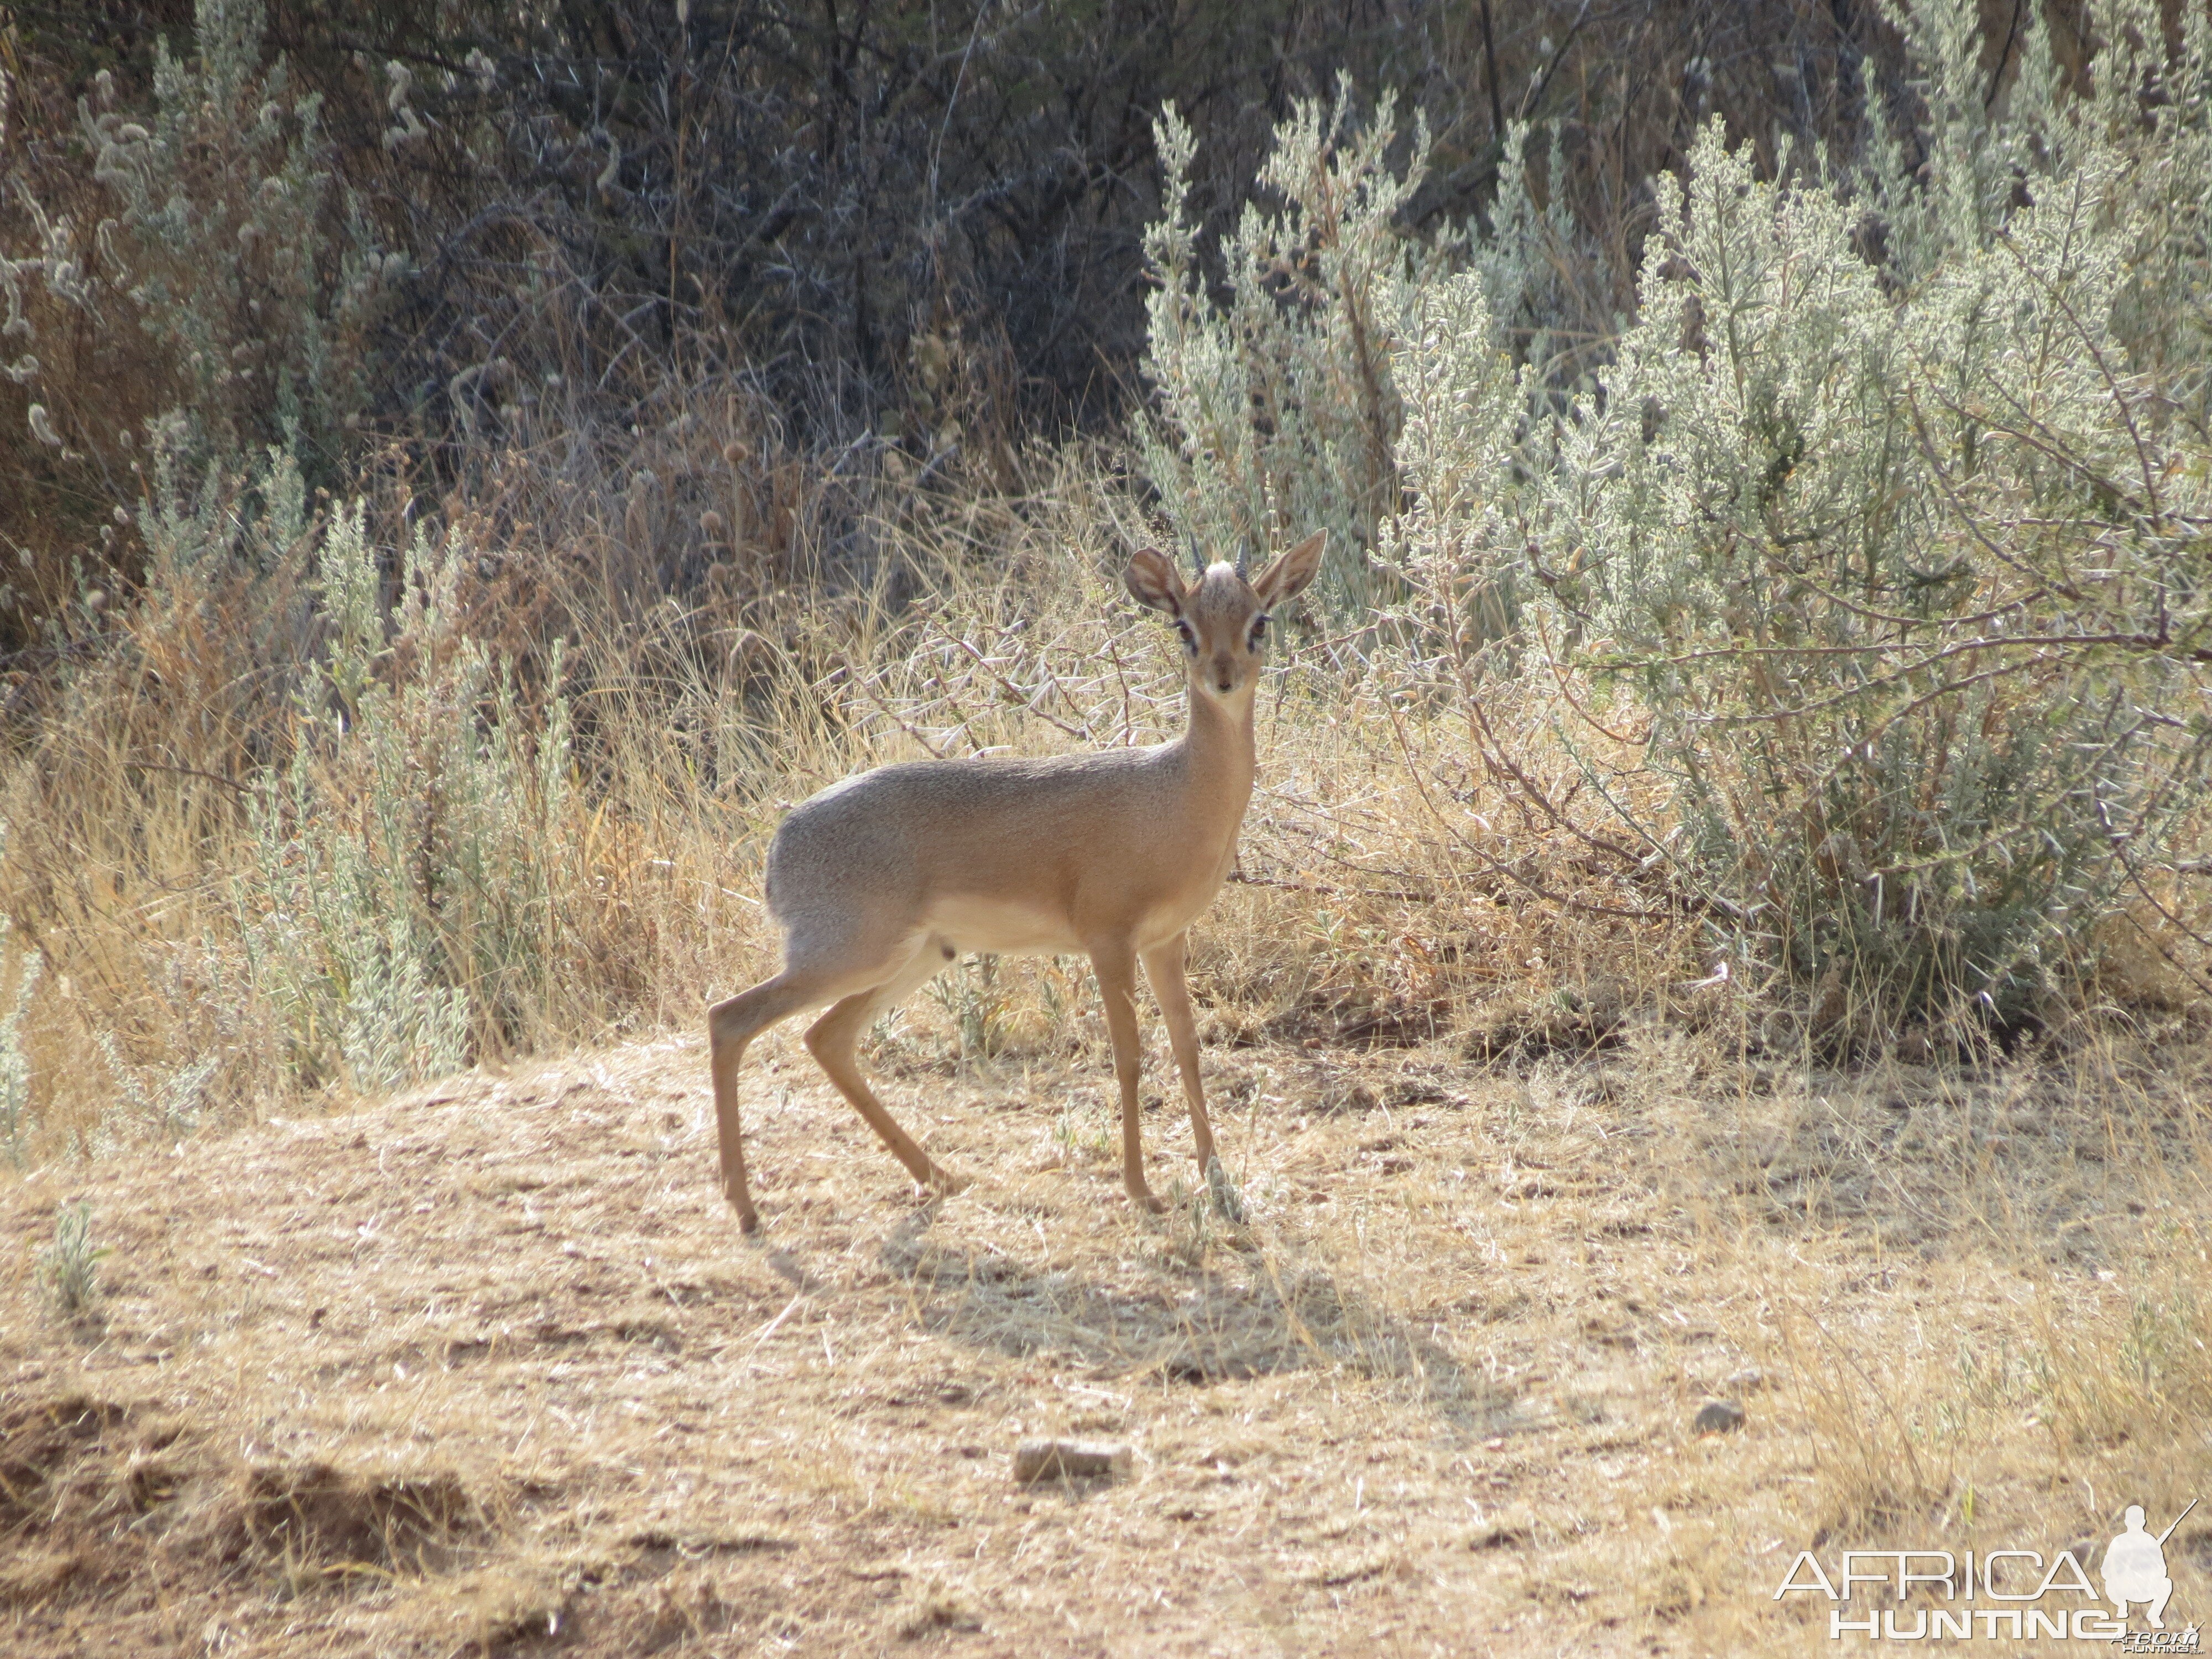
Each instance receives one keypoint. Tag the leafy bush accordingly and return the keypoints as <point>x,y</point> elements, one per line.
<point>1461,431</point>
<point>1279,409</point>
<point>69,1267</point>
<point>1902,561</point>
<point>412,859</point>
<point>172,1106</point>
<point>411,881</point>
<point>1883,529</point>
<point>1282,411</point>
<point>215,234</point>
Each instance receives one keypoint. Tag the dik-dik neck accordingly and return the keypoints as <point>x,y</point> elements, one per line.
<point>1219,752</point>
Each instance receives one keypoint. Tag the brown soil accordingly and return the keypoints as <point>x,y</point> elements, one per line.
<point>489,1367</point>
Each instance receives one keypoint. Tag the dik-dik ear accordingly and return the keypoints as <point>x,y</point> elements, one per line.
<point>1291,571</point>
<point>1154,581</point>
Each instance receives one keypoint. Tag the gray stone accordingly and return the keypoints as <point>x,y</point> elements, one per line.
<point>1718,1417</point>
<point>1054,1460</point>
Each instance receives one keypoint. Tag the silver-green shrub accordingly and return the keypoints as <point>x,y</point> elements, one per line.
<point>1281,411</point>
<point>2154,107</point>
<point>404,903</point>
<point>1903,565</point>
<point>224,247</point>
<point>1950,185</point>
<point>68,1268</point>
<point>168,1108</point>
<point>1455,545</point>
<point>14,1064</point>
<point>1885,529</point>
<point>1526,259</point>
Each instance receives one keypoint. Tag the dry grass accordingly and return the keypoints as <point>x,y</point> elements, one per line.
<point>488,1366</point>
<point>1426,887</point>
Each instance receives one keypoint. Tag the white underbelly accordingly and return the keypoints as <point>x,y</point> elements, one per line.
<point>1000,928</point>
<point>979,923</point>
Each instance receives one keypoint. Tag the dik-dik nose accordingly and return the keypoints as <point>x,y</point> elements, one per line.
<point>1225,671</point>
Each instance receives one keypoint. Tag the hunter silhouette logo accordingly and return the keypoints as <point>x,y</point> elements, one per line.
<point>2135,1566</point>
<point>2007,1595</point>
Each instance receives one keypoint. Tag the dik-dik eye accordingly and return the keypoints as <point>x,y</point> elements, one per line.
<point>1189,634</point>
<point>1259,631</point>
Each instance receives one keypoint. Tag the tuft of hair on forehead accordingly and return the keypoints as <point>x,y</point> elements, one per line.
<point>1220,590</point>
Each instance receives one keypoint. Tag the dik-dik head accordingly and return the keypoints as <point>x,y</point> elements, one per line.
<point>1222,616</point>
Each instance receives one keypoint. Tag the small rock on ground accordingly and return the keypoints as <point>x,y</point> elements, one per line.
<point>1052,1460</point>
<point>1718,1417</point>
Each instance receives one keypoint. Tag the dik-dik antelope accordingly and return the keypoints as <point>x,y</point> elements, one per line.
<point>879,881</point>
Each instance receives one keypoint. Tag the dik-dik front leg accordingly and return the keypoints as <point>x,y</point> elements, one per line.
<point>1115,962</point>
<point>1164,966</point>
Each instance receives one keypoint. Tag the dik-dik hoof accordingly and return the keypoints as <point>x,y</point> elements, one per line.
<point>1141,1197</point>
<point>943,1184</point>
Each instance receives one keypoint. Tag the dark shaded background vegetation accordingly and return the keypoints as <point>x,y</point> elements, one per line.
<point>874,223</point>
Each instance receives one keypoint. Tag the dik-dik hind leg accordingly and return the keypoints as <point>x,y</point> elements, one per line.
<point>1164,968</point>
<point>832,1038</point>
<point>731,1025</point>
<point>1115,964</point>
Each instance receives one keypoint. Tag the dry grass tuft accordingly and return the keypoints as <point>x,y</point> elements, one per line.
<point>317,1518</point>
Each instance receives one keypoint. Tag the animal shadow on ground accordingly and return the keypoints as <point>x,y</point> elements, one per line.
<point>1238,1312</point>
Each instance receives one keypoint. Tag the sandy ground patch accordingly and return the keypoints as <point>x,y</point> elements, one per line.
<point>488,1366</point>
